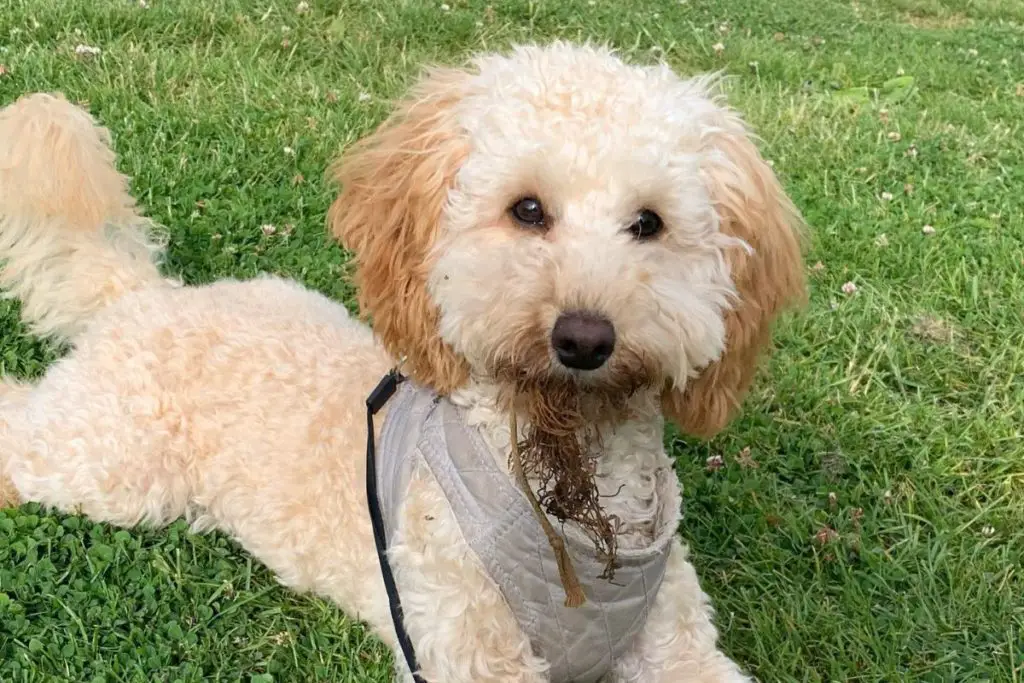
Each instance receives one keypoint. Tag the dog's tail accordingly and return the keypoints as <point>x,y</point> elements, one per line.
<point>71,239</point>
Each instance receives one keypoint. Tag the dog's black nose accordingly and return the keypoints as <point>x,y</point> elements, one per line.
<point>582,341</point>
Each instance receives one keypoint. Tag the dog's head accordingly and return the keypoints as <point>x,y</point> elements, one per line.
<point>556,217</point>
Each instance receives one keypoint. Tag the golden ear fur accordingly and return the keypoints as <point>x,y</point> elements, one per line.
<point>752,206</point>
<point>394,185</point>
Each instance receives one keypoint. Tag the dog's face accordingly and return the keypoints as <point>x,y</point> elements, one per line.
<point>579,238</point>
<point>560,216</point>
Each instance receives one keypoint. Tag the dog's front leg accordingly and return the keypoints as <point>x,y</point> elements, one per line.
<point>678,644</point>
<point>459,624</point>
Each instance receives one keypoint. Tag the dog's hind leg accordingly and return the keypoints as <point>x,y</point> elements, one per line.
<point>88,439</point>
<point>13,395</point>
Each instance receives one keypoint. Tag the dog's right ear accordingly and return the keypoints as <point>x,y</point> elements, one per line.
<point>394,186</point>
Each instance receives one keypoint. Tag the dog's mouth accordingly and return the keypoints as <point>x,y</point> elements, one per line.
<point>560,439</point>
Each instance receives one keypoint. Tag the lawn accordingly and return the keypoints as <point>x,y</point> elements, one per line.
<point>866,520</point>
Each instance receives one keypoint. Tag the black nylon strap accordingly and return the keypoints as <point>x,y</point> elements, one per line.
<point>384,390</point>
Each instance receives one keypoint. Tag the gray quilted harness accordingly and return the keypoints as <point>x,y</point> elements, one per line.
<point>580,644</point>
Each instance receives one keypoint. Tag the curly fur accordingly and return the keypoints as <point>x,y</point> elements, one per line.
<point>239,404</point>
<point>396,182</point>
<point>72,242</point>
<point>769,276</point>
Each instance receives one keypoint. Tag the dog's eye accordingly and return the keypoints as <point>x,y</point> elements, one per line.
<point>648,224</point>
<point>528,211</point>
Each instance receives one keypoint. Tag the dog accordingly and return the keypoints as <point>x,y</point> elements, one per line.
<point>558,251</point>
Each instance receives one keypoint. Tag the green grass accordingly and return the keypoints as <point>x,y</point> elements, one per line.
<point>892,416</point>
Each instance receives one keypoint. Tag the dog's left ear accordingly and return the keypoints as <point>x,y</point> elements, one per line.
<point>769,277</point>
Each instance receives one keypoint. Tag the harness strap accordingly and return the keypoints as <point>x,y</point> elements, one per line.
<point>383,392</point>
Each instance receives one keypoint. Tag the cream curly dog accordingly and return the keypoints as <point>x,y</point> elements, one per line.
<point>551,232</point>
